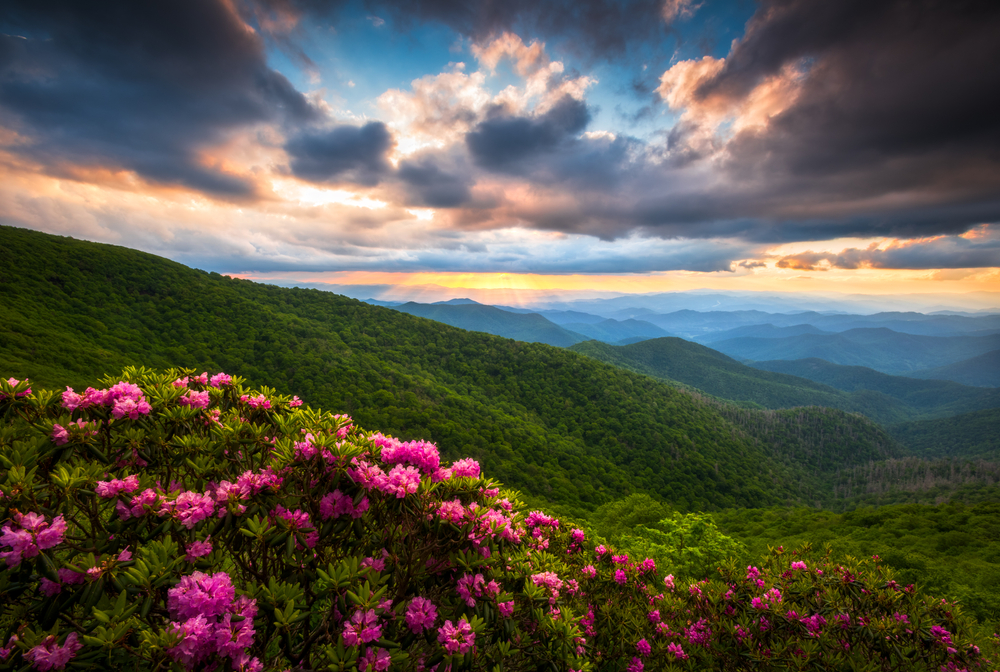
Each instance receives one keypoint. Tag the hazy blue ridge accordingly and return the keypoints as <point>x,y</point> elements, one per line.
<point>527,327</point>
<point>878,348</point>
<point>981,371</point>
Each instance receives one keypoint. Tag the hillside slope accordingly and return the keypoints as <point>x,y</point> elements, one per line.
<point>555,424</point>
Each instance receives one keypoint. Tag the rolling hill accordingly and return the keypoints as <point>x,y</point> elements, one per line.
<point>557,425</point>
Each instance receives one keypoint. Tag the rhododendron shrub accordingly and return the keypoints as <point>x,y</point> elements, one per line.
<point>183,521</point>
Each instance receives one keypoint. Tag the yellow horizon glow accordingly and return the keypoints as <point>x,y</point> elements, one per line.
<point>868,281</point>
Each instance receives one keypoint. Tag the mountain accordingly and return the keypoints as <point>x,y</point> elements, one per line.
<point>761,331</point>
<point>561,427</point>
<point>614,331</point>
<point>879,348</point>
<point>528,327</point>
<point>931,397</point>
<point>982,371</point>
<point>676,360</point>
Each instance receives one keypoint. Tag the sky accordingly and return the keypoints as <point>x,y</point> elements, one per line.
<point>827,146</point>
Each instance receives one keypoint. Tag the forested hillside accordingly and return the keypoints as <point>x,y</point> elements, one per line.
<point>555,424</point>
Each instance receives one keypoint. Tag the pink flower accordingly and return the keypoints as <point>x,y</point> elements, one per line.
<point>200,595</point>
<point>456,639</point>
<point>468,468</point>
<point>221,379</point>
<point>112,488</point>
<point>260,401</point>
<point>798,565</point>
<point>421,454</point>
<point>60,436</point>
<point>506,609</point>
<point>752,573</point>
<point>635,666</point>
<point>362,628</point>
<point>643,647</point>
<point>669,581</point>
<point>14,382</point>
<point>400,481</point>
<point>198,549</point>
<point>295,402</point>
<point>50,656</point>
<point>620,577</point>
<point>189,508</point>
<point>677,651</point>
<point>589,571</point>
<point>470,587</point>
<point>298,520</point>
<point>336,504</point>
<point>421,614</point>
<point>34,535</point>
<point>654,616</point>
<point>195,400</point>
<point>375,659</point>
<point>5,650</point>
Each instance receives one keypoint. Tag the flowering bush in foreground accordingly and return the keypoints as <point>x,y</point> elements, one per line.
<point>175,520</point>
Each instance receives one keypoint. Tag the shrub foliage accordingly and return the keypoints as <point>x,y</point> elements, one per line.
<point>168,520</point>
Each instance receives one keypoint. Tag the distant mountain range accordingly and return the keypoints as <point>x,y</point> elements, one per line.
<point>982,370</point>
<point>527,327</point>
<point>880,348</point>
<point>784,384</point>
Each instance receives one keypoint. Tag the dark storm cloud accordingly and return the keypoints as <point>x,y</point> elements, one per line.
<point>601,29</point>
<point>431,185</point>
<point>355,154</point>
<point>897,96</point>
<point>504,142</point>
<point>144,86</point>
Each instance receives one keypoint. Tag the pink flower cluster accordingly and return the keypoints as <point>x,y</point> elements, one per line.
<point>50,656</point>
<point>362,628</point>
<point>195,400</point>
<point>467,468</point>
<point>198,549</point>
<point>184,382</point>
<point>125,400</point>
<point>298,520</point>
<point>65,576</point>
<point>470,587</point>
<point>338,504</point>
<point>220,380</point>
<point>548,580</point>
<point>457,638</point>
<point>260,401</point>
<point>32,535</point>
<point>73,430</point>
<point>421,454</point>
<point>211,621</point>
<point>112,488</point>
<point>452,511</point>
<point>420,615</point>
<point>14,382</point>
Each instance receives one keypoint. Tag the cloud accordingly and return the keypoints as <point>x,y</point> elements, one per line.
<point>596,29</point>
<point>146,87</point>
<point>979,248</point>
<point>502,142</point>
<point>343,154</point>
<point>431,185</point>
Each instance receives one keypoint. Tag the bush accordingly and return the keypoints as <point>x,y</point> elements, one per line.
<point>173,520</point>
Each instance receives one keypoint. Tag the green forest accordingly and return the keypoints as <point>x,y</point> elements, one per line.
<point>574,434</point>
